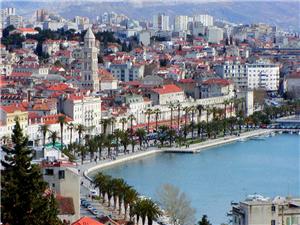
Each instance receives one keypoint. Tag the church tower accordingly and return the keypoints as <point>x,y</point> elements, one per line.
<point>90,77</point>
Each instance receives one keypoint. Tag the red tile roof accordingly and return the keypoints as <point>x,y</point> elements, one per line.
<point>24,29</point>
<point>65,205</point>
<point>166,89</point>
<point>58,87</point>
<point>52,119</point>
<point>86,221</point>
<point>188,80</point>
<point>12,108</point>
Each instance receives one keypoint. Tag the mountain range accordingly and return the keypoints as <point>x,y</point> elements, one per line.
<point>285,14</point>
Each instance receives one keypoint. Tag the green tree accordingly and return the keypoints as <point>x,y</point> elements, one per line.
<point>53,136</point>
<point>204,221</point>
<point>23,199</point>
<point>80,129</point>
<point>141,133</point>
<point>62,121</point>
<point>44,129</point>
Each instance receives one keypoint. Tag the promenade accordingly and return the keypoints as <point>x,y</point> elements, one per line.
<point>89,167</point>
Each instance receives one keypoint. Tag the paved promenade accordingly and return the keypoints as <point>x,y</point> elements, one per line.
<point>89,167</point>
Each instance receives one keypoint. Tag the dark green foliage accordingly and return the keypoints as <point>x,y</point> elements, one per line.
<point>204,221</point>
<point>23,197</point>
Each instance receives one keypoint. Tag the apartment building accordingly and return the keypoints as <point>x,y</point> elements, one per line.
<point>257,210</point>
<point>251,76</point>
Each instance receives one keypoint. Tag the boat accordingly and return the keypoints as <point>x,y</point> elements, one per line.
<point>298,132</point>
<point>242,139</point>
<point>273,134</point>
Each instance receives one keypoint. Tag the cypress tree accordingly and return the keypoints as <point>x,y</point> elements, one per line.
<point>24,199</point>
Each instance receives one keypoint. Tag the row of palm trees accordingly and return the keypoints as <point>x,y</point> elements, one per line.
<point>122,194</point>
<point>219,119</point>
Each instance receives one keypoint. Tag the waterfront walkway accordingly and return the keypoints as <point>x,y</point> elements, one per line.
<point>89,167</point>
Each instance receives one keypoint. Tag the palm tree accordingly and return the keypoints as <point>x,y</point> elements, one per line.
<point>54,136</point>
<point>108,143</point>
<point>92,147</point>
<point>146,208</point>
<point>118,134</point>
<point>171,133</point>
<point>171,107</point>
<point>61,120</point>
<point>156,112</point>
<point>105,123</point>
<point>71,127</point>
<point>148,112</point>
<point>100,140</point>
<point>113,120</point>
<point>82,150</point>
<point>125,141</point>
<point>102,182</point>
<point>80,129</point>
<point>186,110</point>
<point>118,189</point>
<point>200,127</point>
<point>199,108</point>
<point>178,114</point>
<point>208,112</point>
<point>131,118</point>
<point>130,197</point>
<point>226,103</point>
<point>193,110</point>
<point>140,132</point>
<point>214,112</point>
<point>162,134</point>
<point>123,121</point>
<point>44,129</point>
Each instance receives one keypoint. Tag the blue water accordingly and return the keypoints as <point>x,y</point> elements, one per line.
<point>214,178</point>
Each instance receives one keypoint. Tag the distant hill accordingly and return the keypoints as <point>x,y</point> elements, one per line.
<point>285,14</point>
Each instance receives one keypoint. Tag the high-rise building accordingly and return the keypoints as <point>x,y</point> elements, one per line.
<point>205,19</point>
<point>41,15</point>
<point>161,22</point>
<point>181,23</point>
<point>214,34</point>
<point>5,13</point>
<point>14,20</point>
<point>90,77</point>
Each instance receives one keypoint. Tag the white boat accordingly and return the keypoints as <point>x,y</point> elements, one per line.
<point>280,132</point>
<point>273,134</point>
<point>298,132</point>
<point>242,139</point>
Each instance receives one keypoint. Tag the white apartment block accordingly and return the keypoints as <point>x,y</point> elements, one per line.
<point>161,22</point>
<point>251,76</point>
<point>265,211</point>
<point>205,19</point>
<point>14,20</point>
<point>85,110</point>
<point>214,34</point>
<point>181,23</point>
<point>64,180</point>
<point>127,71</point>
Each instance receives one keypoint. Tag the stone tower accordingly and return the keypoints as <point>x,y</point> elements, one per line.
<point>90,78</point>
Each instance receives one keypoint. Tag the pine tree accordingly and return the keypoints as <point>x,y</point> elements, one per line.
<point>204,221</point>
<point>23,197</point>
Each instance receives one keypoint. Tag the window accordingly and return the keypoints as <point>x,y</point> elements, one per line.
<point>53,185</point>
<point>49,172</point>
<point>273,208</point>
<point>273,222</point>
<point>61,174</point>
